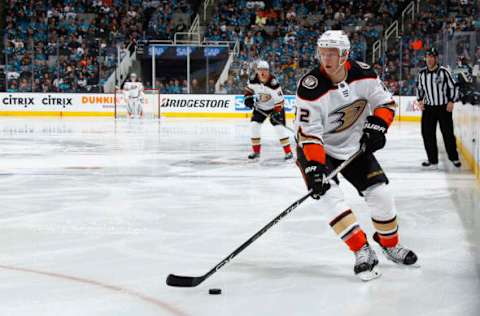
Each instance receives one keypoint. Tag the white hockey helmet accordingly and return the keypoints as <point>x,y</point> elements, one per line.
<point>335,39</point>
<point>262,64</point>
<point>133,76</point>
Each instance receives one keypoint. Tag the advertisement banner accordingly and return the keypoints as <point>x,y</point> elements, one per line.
<point>207,103</point>
<point>408,109</point>
<point>175,105</point>
<point>55,102</point>
<point>289,104</point>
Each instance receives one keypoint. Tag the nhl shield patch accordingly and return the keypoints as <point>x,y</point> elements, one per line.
<point>310,82</point>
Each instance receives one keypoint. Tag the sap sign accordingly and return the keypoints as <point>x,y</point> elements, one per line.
<point>239,106</point>
<point>289,103</point>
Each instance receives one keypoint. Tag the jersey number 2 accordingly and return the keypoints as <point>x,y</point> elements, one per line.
<point>304,115</point>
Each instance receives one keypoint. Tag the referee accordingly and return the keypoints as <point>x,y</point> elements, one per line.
<point>436,94</point>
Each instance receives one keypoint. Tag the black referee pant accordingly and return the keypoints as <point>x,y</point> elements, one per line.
<point>430,116</point>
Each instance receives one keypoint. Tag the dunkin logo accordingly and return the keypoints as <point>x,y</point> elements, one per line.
<point>97,99</point>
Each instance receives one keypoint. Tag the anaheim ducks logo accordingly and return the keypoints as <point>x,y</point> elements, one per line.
<point>347,115</point>
<point>264,97</point>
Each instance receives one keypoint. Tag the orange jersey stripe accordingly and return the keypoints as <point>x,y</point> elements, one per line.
<point>314,152</point>
<point>385,114</point>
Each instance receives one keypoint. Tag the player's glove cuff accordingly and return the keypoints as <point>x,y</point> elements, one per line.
<point>373,137</point>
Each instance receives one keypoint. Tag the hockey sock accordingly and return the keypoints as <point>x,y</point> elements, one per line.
<point>256,145</point>
<point>387,231</point>
<point>346,226</point>
<point>286,145</point>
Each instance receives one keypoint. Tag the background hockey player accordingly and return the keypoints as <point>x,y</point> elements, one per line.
<point>264,92</point>
<point>133,91</point>
<point>342,105</point>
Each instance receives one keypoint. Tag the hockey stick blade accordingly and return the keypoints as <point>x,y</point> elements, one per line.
<point>183,281</point>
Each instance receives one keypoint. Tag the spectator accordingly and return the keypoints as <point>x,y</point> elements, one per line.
<point>195,88</point>
<point>221,89</point>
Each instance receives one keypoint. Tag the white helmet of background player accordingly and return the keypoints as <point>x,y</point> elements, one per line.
<point>133,76</point>
<point>263,70</point>
<point>335,39</point>
<point>262,64</point>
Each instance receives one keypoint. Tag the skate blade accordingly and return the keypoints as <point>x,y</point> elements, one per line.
<point>369,275</point>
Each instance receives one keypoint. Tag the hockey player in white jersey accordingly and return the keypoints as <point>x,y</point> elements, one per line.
<point>264,93</point>
<point>341,106</point>
<point>133,91</point>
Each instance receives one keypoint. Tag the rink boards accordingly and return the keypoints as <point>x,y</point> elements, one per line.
<point>171,105</point>
<point>215,106</point>
<point>467,130</point>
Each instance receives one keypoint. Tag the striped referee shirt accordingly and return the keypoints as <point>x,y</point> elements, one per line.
<point>436,87</point>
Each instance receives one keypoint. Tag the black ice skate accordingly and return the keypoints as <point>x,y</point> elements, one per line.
<point>429,166</point>
<point>457,163</point>
<point>398,254</point>
<point>366,262</point>
<point>253,156</point>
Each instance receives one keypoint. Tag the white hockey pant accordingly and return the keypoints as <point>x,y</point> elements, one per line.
<point>134,107</point>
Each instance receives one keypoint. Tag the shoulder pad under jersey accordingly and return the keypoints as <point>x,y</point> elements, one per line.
<point>313,85</point>
<point>272,82</point>
<point>359,70</point>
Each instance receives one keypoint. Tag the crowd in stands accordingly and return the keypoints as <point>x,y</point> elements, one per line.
<point>66,45</point>
<point>284,32</point>
<point>427,30</point>
<point>166,18</point>
<point>71,45</point>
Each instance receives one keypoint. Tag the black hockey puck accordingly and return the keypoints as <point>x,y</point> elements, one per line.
<point>215,291</point>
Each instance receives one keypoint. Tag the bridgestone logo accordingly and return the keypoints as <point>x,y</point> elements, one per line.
<point>213,104</point>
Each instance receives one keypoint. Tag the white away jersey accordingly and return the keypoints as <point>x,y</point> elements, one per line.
<point>334,114</point>
<point>268,94</point>
<point>133,89</point>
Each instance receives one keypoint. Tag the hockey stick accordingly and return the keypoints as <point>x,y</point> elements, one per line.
<point>189,281</point>
<point>275,120</point>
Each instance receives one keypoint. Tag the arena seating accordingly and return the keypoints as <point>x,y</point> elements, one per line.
<point>71,45</point>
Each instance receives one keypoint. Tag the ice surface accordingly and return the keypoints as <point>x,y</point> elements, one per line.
<point>95,214</point>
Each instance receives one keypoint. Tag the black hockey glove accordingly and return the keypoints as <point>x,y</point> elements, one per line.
<point>316,178</point>
<point>249,101</point>
<point>373,137</point>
